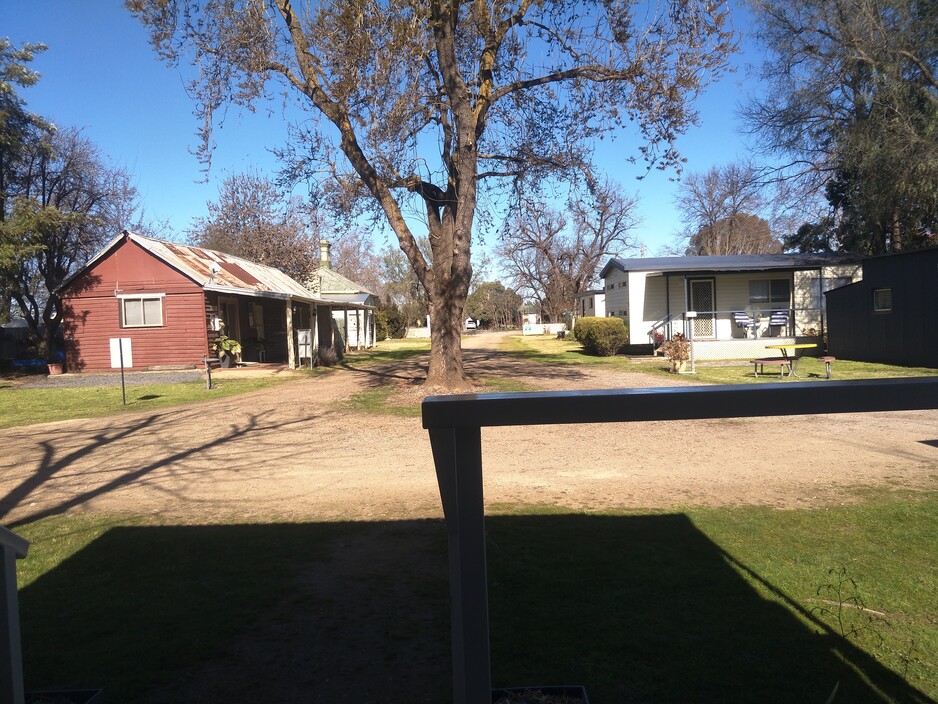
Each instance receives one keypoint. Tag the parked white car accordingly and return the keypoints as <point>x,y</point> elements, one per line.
<point>471,324</point>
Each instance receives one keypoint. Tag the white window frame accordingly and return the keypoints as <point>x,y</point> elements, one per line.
<point>140,298</point>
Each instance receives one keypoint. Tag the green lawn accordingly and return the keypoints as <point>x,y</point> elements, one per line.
<point>387,351</point>
<point>550,350</point>
<point>705,605</point>
<point>28,406</point>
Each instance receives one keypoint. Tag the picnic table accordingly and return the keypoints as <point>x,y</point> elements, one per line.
<point>793,359</point>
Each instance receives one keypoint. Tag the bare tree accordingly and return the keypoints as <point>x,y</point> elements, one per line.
<point>719,209</point>
<point>253,220</point>
<point>353,256</point>
<point>421,102</point>
<point>738,234</point>
<point>402,288</point>
<point>552,262</point>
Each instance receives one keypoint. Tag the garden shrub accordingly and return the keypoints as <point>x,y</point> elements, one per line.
<point>602,337</point>
<point>582,327</point>
<point>328,356</point>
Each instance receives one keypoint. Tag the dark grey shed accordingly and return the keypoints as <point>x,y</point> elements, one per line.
<point>891,316</point>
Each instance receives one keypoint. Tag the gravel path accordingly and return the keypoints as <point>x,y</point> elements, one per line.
<point>300,451</point>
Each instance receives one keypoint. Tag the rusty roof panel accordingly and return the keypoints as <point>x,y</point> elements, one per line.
<point>240,273</point>
<point>213,269</point>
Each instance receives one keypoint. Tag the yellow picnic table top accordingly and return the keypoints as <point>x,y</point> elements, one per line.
<point>799,346</point>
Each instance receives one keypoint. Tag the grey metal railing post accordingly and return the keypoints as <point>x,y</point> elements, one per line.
<point>457,454</point>
<point>11,654</point>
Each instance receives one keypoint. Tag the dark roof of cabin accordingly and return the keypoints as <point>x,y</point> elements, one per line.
<point>740,262</point>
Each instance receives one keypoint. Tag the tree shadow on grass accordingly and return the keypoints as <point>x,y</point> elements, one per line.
<point>637,609</point>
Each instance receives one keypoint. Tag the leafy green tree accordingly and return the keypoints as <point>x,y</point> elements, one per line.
<point>17,127</point>
<point>418,105</point>
<point>852,105</point>
<point>67,203</point>
<point>494,305</point>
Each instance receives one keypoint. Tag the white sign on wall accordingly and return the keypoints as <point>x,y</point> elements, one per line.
<point>120,346</point>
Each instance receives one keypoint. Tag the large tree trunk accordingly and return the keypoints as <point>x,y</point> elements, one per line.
<point>446,365</point>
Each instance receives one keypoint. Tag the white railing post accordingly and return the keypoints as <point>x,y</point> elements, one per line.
<point>11,653</point>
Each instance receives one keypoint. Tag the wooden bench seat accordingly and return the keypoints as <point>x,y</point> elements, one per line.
<point>781,362</point>
<point>827,359</point>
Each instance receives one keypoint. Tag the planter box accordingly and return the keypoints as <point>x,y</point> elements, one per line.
<point>66,696</point>
<point>552,694</point>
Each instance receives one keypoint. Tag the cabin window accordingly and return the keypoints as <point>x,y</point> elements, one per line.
<point>769,291</point>
<point>882,300</point>
<point>142,311</point>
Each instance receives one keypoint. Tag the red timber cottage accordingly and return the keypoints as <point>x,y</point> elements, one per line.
<point>173,301</point>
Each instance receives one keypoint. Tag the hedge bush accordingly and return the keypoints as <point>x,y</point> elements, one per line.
<point>602,337</point>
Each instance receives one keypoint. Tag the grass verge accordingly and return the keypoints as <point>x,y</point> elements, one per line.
<point>29,406</point>
<point>705,605</point>
<point>387,351</point>
<point>549,350</point>
<point>388,400</point>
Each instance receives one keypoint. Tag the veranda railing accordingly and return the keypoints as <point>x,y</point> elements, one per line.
<point>455,422</point>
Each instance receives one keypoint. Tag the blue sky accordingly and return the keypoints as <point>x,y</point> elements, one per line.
<point>100,74</point>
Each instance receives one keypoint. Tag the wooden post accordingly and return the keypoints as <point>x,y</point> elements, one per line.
<point>358,329</point>
<point>291,347</point>
<point>345,344</point>
<point>314,325</point>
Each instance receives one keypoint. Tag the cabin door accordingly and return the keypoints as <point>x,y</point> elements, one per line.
<point>702,299</point>
<point>228,312</point>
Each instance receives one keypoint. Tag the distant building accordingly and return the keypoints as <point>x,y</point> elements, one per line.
<point>591,303</point>
<point>734,301</point>
<point>355,325</point>
<point>173,300</point>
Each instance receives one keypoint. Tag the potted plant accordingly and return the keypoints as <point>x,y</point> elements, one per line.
<point>677,349</point>
<point>227,350</point>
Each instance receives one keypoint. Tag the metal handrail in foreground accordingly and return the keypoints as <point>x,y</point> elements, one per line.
<point>455,422</point>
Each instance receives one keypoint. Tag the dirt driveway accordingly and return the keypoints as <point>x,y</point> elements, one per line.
<point>295,452</point>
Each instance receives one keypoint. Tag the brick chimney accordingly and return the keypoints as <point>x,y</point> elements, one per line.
<point>324,254</point>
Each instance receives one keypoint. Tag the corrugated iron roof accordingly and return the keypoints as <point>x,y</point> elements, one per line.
<point>332,282</point>
<point>217,271</point>
<point>220,272</point>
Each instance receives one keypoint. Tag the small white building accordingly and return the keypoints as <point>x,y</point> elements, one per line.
<point>353,312</point>
<point>738,300</point>
<point>591,303</point>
